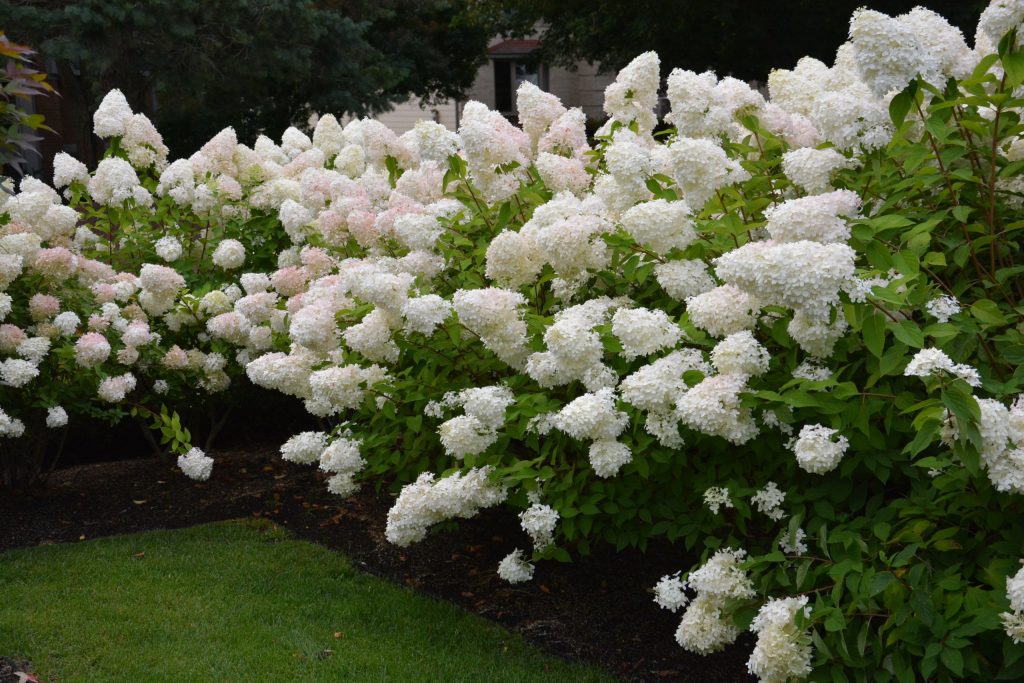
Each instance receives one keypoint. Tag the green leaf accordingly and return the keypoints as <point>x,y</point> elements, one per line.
<point>923,438</point>
<point>835,621</point>
<point>862,637</point>
<point>962,404</point>
<point>889,221</point>
<point>908,333</point>
<point>1012,60</point>
<point>874,333</point>
<point>899,107</point>
<point>879,582</point>
<point>987,311</point>
<point>952,660</point>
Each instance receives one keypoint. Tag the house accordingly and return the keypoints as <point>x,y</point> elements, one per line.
<point>510,63</point>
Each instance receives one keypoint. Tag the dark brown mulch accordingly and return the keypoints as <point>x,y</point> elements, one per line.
<point>597,609</point>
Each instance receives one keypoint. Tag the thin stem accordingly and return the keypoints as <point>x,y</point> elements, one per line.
<point>972,152</point>
<point>887,313</point>
<point>479,206</point>
<point>938,156</point>
<point>768,176</point>
<point>522,212</point>
<point>992,180</point>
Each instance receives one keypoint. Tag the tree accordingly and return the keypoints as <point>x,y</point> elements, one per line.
<point>196,66</point>
<point>18,82</point>
<point>743,38</point>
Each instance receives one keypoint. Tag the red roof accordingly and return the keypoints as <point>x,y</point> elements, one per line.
<point>513,48</point>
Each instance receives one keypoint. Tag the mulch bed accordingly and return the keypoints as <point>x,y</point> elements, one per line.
<point>597,609</point>
<point>12,671</point>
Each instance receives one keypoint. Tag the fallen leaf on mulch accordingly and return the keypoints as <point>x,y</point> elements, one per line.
<point>12,671</point>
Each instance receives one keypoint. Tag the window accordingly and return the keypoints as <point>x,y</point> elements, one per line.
<point>509,74</point>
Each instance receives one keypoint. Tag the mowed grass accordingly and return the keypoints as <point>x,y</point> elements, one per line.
<point>241,602</point>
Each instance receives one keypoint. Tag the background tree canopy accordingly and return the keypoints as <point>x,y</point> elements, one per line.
<point>196,66</point>
<point>742,38</point>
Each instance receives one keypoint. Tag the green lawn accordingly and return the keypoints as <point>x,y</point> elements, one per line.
<point>241,602</point>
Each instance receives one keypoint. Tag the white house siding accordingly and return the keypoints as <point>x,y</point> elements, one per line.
<point>405,115</point>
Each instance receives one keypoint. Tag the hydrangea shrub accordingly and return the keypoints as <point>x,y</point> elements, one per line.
<point>784,334</point>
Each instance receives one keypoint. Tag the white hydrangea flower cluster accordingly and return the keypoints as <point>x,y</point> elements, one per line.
<point>716,497</point>
<point>834,101</point>
<point>497,152</point>
<point>493,315</point>
<point>670,592</point>
<point>655,388</point>
<point>998,18</point>
<point>810,370</point>
<point>888,54</point>
<point>115,182</point>
<point>15,372</point>
<point>574,350</point>
<point>642,331</point>
<point>724,310</point>
<point>335,389</point>
<point>660,225</point>
<point>341,458</point>
<point>424,314</point>
<point>1002,435</point>
<point>114,389</point>
<point>229,254</point>
<point>740,354</point>
<point>67,170</point>
<point>476,430</point>
<point>813,169</point>
<point>818,218</point>
<point>594,417</point>
<point>304,448</point>
<point>634,94</point>
<point>427,501</point>
<point>705,626</point>
<point>168,248</point>
<point>515,568</point>
<point>783,650</point>
<point>196,465</point>
<point>10,427</point>
<point>539,521</point>
<point>1013,621</point>
<point>713,407</point>
<point>793,543</point>
<point>942,308</point>
<point>935,362</point>
<point>701,168</point>
<point>565,233</point>
<point>684,279</point>
<point>768,501</point>
<point>816,449</point>
<point>56,417</point>
<point>703,106</point>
